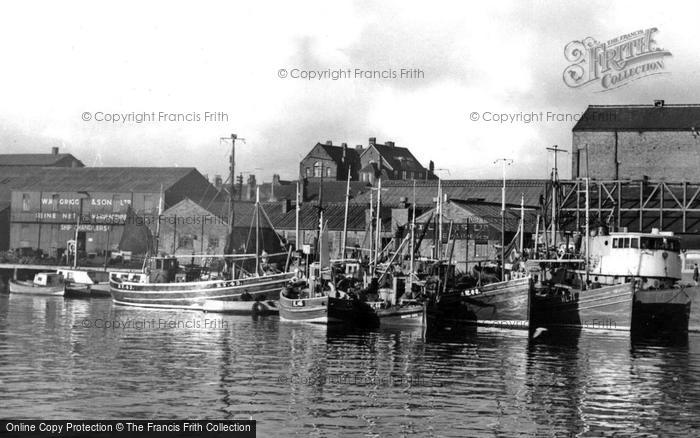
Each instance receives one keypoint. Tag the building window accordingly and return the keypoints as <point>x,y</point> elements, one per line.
<point>328,171</point>
<point>308,171</point>
<point>405,174</point>
<point>26,202</point>
<point>185,241</point>
<point>213,242</point>
<point>148,204</point>
<point>317,169</point>
<point>481,248</point>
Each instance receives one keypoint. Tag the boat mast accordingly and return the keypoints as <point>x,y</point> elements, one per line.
<point>371,229</point>
<point>231,211</point>
<point>505,162</point>
<point>378,242</point>
<point>438,246</point>
<point>257,230</point>
<point>413,235</point>
<point>555,179</point>
<point>588,225</point>
<point>345,221</point>
<point>522,222</point>
<point>296,220</point>
<point>160,213</point>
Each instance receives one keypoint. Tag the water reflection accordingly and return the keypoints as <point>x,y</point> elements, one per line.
<point>311,380</point>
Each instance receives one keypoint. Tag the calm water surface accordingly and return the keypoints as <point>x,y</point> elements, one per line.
<point>304,380</point>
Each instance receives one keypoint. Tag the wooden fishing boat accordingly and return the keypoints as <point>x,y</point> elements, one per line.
<point>319,302</point>
<point>45,283</point>
<point>82,283</point>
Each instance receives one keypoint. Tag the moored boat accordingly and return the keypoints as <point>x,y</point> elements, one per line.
<point>632,281</point>
<point>81,283</point>
<point>44,283</point>
<point>504,304</point>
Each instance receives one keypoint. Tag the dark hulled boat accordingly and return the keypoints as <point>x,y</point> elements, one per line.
<point>632,282</point>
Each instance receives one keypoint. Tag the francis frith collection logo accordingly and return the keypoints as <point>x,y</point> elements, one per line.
<point>616,62</point>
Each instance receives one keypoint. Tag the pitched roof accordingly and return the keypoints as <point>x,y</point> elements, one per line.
<point>488,212</point>
<point>37,160</point>
<point>333,191</point>
<point>352,157</point>
<point>398,158</point>
<point>639,118</point>
<point>98,179</point>
<point>486,190</point>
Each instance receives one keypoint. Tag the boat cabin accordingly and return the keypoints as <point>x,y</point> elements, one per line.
<point>48,279</point>
<point>624,254</point>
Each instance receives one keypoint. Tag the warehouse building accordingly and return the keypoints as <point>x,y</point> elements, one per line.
<point>47,204</point>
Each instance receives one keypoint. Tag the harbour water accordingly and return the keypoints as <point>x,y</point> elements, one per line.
<point>89,359</point>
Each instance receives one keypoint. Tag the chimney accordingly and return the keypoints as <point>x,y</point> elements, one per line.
<point>54,150</point>
<point>359,148</point>
<point>659,103</point>
<point>372,141</point>
<point>431,167</point>
<point>218,182</point>
<point>286,206</point>
<point>389,144</point>
<point>275,179</point>
<point>329,143</point>
<point>252,185</point>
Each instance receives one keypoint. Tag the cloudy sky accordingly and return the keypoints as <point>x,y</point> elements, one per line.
<point>61,60</point>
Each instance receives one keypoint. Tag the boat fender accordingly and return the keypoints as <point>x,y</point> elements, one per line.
<point>258,308</point>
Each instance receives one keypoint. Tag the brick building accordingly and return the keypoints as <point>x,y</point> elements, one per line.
<point>391,162</point>
<point>331,162</point>
<point>658,142</point>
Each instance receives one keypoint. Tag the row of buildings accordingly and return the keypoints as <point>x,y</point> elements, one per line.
<point>639,158</point>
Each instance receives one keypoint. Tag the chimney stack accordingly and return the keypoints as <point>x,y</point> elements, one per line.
<point>275,179</point>
<point>218,182</point>
<point>286,206</point>
<point>431,167</point>
<point>359,148</point>
<point>659,103</point>
<point>389,144</point>
<point>372,141</point>
<point>329,143</point>
<point>54,150</point>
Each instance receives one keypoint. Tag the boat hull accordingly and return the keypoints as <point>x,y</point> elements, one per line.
<point>267,307</point>
<point>504,304</point>
<point>401,315</point>
<point>326,310</point>
<point>193,295</point>
<point>618,307</point>
<point>28,288</point>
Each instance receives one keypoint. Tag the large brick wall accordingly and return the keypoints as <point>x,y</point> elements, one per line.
<point>669,155</point>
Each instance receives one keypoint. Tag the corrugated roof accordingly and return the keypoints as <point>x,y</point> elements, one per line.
<point>97,179</point>
<point>333,191</point>
<point>468,212</point>
<point>639,118</point>
<point>488,190</point>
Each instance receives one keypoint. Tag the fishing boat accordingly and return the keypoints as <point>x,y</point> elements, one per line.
<point>45,283</point>
<point>84,283</point>
<point>503,304</point>
<point>165,283</point>
<point>319,302</point>
<point>631,281</point>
